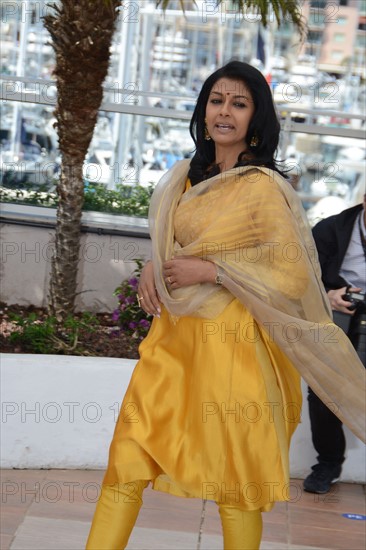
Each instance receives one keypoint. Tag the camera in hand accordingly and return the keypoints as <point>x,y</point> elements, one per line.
<point>358,300</point>
<point>354,325</point>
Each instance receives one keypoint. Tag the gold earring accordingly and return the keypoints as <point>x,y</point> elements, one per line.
<point>207,135</point>
<point>254,141</point>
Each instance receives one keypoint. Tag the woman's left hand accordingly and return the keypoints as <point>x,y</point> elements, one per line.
<point>188,270</point>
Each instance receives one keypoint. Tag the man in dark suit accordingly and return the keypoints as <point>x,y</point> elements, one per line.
<point>341,245</point>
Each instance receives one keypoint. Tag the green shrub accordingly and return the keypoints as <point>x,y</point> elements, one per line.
<point>44,335</point>
<point>126,200</point>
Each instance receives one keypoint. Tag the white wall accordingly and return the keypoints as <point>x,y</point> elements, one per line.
<point>106,260</point>
<point>60,412</point>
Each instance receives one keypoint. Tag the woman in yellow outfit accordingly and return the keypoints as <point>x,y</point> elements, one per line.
<point>239,313</point>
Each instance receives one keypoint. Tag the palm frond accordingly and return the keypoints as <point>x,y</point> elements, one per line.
<point>276,10</point>
<point>283,10</point>
<point>164,4</point>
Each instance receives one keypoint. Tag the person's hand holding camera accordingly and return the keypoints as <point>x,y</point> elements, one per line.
<point>337,301</point>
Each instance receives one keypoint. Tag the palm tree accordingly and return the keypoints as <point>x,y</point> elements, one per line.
<point>81,35</point>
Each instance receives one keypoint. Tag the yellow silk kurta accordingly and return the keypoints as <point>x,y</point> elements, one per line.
<point>210,409</point>
<point>198,418</point>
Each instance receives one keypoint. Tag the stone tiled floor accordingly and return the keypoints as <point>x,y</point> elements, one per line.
<point>52,510</point>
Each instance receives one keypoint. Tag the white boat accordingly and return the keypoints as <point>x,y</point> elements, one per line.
<point>31,158</point>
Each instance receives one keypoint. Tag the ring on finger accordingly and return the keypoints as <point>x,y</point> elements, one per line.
<point>139,299</point>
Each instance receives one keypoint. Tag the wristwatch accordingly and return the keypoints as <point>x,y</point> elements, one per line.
<point>218,278</point>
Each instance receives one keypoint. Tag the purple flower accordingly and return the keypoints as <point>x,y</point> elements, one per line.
<point>133,282</point>
<point>132,325</point>
<point>144,323</point>
<point>130,299</point>
<point>120,297</point>
<point>115,315</point>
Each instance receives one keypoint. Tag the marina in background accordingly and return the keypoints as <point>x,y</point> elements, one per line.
<point>159,62</point>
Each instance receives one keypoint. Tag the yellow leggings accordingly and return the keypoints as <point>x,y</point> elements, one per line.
<point>119,505</point>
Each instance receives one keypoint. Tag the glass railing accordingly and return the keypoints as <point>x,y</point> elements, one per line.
<point>140,135</point>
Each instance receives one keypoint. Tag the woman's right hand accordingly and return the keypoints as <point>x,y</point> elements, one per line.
<point>146,291</point>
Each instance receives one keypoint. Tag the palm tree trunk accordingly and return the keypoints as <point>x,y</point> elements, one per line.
<point>81,37</point>
<point>64,266</point>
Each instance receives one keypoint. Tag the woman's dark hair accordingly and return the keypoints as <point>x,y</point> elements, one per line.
<point>264,124</point>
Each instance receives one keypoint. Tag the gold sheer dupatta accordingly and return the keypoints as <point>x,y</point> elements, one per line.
<point>250,222</point>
